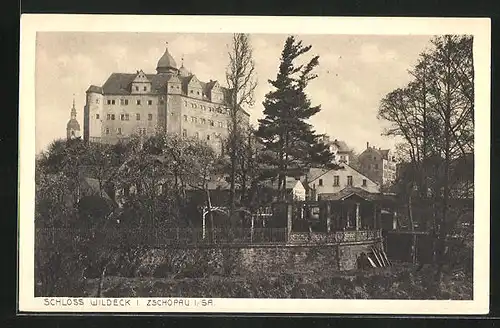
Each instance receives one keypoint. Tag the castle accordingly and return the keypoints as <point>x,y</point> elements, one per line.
<point>173,100</point>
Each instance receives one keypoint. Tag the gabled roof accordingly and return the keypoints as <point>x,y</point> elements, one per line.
<point>342,146</point>
<point>350,191</point>
<point>290,183</point>
<point>322,171</point>
<point>93,184</point>
<point>384,153</point>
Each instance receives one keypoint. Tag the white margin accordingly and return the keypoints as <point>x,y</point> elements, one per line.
<point>480,28</point>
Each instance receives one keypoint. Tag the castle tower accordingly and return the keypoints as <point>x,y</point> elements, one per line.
<point>167,64</point>
<point>73,127</point>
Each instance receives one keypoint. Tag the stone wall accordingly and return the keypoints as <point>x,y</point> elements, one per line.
<point>234,259</point>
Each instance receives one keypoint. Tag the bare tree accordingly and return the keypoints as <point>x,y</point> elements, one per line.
<point>241,80</point>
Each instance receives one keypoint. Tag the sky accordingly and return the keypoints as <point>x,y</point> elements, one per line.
<point>354,74</point>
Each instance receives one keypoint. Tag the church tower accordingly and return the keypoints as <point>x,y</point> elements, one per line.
<point>73,127</point>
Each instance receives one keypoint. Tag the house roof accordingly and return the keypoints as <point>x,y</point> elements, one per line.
<point>324,171</point>
<point>342,146</point>
<point>93,184</point>
<point>384,153</point>
<point>290,183</point>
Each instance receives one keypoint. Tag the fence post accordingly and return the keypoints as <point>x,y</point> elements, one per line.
<point>251,229</point>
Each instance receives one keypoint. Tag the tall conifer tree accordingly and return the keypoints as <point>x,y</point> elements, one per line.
<point>291,145</point>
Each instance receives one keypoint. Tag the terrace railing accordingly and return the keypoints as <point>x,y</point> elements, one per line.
<point>335,236</point>
<point>162,237</point>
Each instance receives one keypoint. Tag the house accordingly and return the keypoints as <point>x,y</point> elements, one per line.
<point>341,152</point>
<point>378,164</point>
<point>295,189</point>
<point>329,181</point>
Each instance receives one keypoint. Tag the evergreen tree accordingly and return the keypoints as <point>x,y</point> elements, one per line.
<point>290,144</point>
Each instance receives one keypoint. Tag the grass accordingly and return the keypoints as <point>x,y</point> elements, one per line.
<point>398,282</point>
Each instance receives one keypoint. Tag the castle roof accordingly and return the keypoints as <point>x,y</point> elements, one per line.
<point>166,62</point>
<point>94,88</point>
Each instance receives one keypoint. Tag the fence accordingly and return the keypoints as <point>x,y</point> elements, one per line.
<point>161,237</point>
<point>335,236</point>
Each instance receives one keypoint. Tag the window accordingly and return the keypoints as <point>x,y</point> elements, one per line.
<point>138,117</point>
<point>127,117</point>
<point>185,118</point>
<point>208,137</point>
<point>336,181</point>
<point>320,182</point>
<point>112,117</point>
<point>122,117</point>
<point>97,101</point>
<point>107,131</point>
<point>126,102</point>
<point>150,102</point>
<point>122,102</point>
<point>191,91</point>
<point>96,116</point>
<point>162,102</point>
<point>211,122</point>
<point>136,88</point>
<point>112,102</point>
<point>138,101</point>
<point>198,93</point>
<point>376,166</point>
<point>184,133</point>
<point>349,180</point>
<point>194,119</point>
<point>119,130</point>
<point>203,121</point>
<point>197,135</point>
<point>150,117</point>
<point>220,124</point>
<point>185,103</point>
<point>364,182</point>
<point>109,102</point>
<point>145,88</point>
<point>108,117</point>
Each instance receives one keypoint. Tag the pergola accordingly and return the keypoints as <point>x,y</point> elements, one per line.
<point>349,209</point>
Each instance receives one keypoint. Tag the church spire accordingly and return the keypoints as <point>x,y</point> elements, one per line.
<point>73,109</point>
<point>73,127</point>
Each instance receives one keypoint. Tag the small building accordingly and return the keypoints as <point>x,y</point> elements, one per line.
<point>329,181</point>
<point>295,189</point>
<point>341,152</point>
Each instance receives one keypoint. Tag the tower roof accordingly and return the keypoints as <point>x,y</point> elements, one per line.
<point>73,125</point>
<point>166,63</point>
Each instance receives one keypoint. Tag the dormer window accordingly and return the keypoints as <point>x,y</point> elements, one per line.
<point>136,88</point>
<point>145,88</point>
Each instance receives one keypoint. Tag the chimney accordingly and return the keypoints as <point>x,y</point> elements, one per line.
<point>367,145</point>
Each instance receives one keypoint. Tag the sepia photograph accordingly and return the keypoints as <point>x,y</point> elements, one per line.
<point>190,168</point>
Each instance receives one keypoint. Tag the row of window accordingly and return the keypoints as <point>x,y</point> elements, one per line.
<point>124,102</point>
<point>141,131</point>
<point>197,135</point>
<point>124,117</point>
<point>336,181</point>
<point>211,109</point>
<point>204,121</point>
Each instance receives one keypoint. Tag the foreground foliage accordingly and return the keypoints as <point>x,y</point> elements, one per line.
<point>397,283</point>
